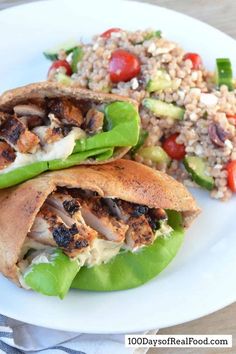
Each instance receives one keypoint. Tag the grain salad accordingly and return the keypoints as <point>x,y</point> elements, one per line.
<point>188,114</point>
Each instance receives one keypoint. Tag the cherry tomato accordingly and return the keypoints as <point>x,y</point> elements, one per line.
<point>107,34</point>
<point>172,148</point>
<point>232,116</point>
<point>61,63</point>
<point>231,169</point>
<point>123,66</point>
<point>195,59</point>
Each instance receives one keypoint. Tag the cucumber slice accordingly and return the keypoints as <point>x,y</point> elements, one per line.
<point>68,47</point>
<point>159,82</point>
<point>153,34</point>
<point>224,74</point>
<point>63,79</point>
<point>163,109</point>
<point>154,153</point>
<point>197,167</point>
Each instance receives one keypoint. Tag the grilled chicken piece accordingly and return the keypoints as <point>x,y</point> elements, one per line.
<point>156,215</point>
<point>81,193</point>
<point>40,230</point>
<point>29,110</point>
<point>66,111</point>
<point>55,134</point>
<point>66,204</point>
<point>53,228</point>
<point>127,209</point>
<point>28,142</point>
<point>15,133</point>
<point>30,114</point>
<point>31,121</point>
<point>142,222</point>
<point>114,209</point>
<point>94,121</point>
<point>52,133</point>
<point>41,133</point>
<point>97,215</point>
<point>7,155</point>
<point>140,232</point>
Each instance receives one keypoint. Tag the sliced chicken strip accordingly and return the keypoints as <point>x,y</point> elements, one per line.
<point>66,204</point>
<point>66,111</point>
<point>53,229</point>
<point>7,155</point>
<point>15,133</point>
<point>94,121</point>
<point>29,110</point>
<point>97,215</point>
<point>114,209</point>
<point>41,232</point>
<point>55,134</point>
<point>129,209</point>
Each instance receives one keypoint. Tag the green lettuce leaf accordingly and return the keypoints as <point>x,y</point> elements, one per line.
<point>129,270</point>
<point>75,159</point>
<point>53,278</point>
<point>126,270</point>
<point>143,135</point>
<point>122,125</point>
<point>22,174</point>
<point>105,155</point>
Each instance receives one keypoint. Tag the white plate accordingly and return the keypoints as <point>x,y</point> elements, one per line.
<point>201,279</point>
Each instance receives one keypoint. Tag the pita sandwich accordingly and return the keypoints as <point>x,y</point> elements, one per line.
<point>49,126</point>
<point>101,227</point>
